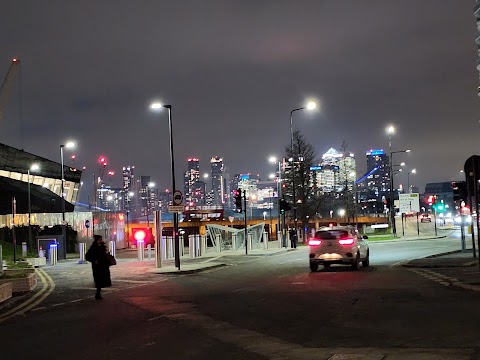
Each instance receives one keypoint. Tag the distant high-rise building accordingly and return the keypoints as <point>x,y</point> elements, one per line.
<point>374,189</point>
<point>216,165</point>
<point>128,187</point>
<point>191,177</point>
<point>378,181</point>
<point>335,172</point>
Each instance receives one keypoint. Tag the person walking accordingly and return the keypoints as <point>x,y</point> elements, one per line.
<point>97,254</point>
<point>293,238</point>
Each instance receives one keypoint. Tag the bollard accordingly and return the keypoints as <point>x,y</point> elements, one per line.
<point>265,240</point>
<point>53,254</point>
<point>191,246</point>
<point>279,237</point>
<point>82,248</point>
<point>250,242</point>
<point>24,249</point>
<point>112,248</point>
<point>234,242</point>
<point>170,247</point>
<point>218,239</point>
<point>203,244</point>
<point>140,250</point>
<point>149,251</point>
<point>197,245</point>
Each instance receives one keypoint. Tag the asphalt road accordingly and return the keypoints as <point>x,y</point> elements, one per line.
<point>268,307</point>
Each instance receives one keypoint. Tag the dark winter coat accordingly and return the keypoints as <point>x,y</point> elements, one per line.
<point>98,256</point>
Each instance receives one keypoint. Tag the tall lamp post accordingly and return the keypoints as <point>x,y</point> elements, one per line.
<point>150,185</point>
<point>68,145</point>
<point>156,106</point>
<point>34,167</point>
<point>413,171</point>
<point>273,159</point>
<point>310,106</point>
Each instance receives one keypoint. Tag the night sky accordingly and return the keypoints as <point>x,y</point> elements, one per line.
<point>232,71</point>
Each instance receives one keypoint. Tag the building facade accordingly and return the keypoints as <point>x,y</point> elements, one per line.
<point>217,175</point>
<point>45,184</point>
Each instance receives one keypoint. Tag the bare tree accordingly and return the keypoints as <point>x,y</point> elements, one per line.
<point>302,156</point>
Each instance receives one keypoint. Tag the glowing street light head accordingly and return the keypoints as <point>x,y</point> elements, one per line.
<point>414,171</point>
<point>341,212</point>
<point>156,106</point>
<point>390,129</point>
<point>131,193</point>
<point>402,163</point>
<point>205,176</point>
<point>151,184</point>
<point>34,167</point>
<point>311,105</point>
<point>272,159</point>
<point>271,176</point>
<point>408,150</point>
<point>69,144</point>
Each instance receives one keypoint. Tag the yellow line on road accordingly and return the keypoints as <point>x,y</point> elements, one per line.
<point>34,300</point>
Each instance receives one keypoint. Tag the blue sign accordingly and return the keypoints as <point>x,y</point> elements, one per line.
<point>87,223</point>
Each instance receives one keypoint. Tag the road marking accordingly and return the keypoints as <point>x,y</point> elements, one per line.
<point>35,299</point>
<point>212,259</point>
<point>59,304</point>
<point>136,281</point>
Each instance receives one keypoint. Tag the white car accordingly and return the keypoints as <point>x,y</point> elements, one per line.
<point>338,245</point>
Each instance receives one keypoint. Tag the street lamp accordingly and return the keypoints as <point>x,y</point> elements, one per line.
<point>413,171</point>
<point>34,167</point>
<point>156,106</point>
<point>390,131</point>
<point>128,196</point>
<point>150,185</point>
<point>273,160</point>
<point>68,145</point>
<point>310,106</point>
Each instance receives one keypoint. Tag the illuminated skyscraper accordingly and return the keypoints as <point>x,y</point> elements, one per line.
<point>191,177</point>
<point>218,190</point>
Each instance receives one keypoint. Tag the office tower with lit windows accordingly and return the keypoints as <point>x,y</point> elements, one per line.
<point>335,172</point>
<point>128,187</point>
<point>217,174</point>
<point>192,184</point>
<point>374,187</point>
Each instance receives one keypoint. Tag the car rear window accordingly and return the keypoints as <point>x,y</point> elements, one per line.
<point>331,234</point>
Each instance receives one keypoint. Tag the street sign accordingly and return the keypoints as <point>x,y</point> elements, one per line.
<point>87,223</point>
<point>177,197</point>
<point>176,208</point>
<point>231,218</point>
<point>409,203</point>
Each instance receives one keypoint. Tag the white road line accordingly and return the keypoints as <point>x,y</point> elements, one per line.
<point>59,304</point>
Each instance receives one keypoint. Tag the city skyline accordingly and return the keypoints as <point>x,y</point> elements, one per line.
<point>100,98</point>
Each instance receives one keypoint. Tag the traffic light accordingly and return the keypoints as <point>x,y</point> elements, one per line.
<point>459,189</point>
<point>431,200</point>
<point>284,206</point>
<point>237,194</point>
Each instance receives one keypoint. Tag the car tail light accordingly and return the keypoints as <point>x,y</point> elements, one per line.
<point>348,241</point>
<point>314,242</point>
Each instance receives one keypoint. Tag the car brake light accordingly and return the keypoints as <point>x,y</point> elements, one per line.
<point>314,242</point>
<point>346,241</point>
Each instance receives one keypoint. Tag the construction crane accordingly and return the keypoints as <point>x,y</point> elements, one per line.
<point>7,85</point>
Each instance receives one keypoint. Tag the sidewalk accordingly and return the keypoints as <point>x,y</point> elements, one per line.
<point>127,261</point>
<point>451,269</point>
